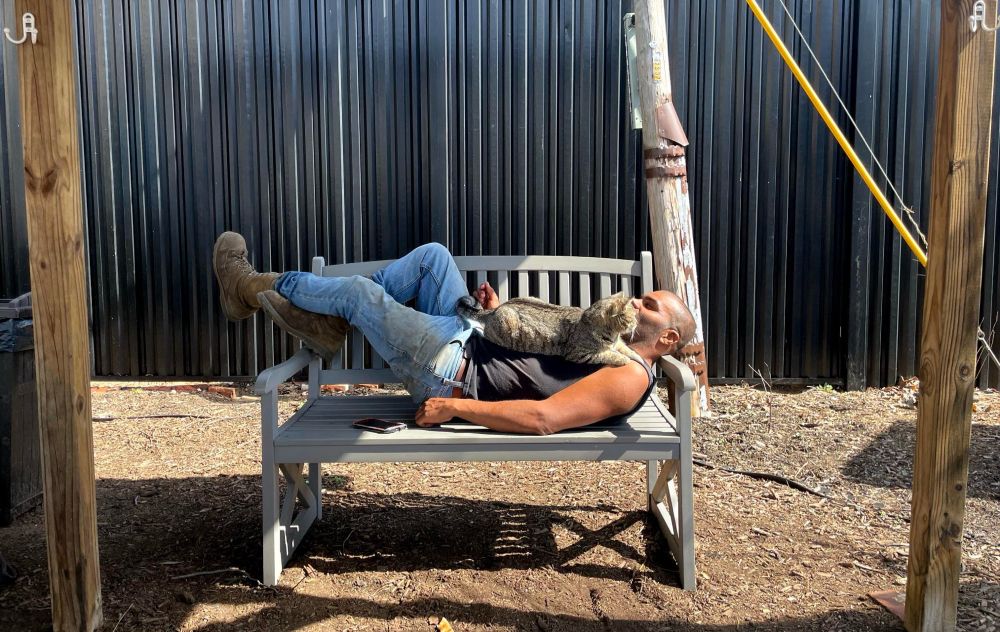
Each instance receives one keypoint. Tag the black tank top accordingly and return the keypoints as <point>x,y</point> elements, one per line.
<point>495,373</point>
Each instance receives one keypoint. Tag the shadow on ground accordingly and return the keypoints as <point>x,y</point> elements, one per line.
<point>407,532</point>
<point>153,531</point>
<point>888,460</point>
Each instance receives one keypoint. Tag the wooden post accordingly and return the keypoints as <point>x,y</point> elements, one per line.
<point>56,244</point>
<point>663,143</point>
<point>950,316</point>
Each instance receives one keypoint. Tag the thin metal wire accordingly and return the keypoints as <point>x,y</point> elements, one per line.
<point>907,210</point>
<point>986,347</point>
<point>884,203</point>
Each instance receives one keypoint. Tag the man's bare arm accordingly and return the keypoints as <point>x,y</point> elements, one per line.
<point>608,392</point>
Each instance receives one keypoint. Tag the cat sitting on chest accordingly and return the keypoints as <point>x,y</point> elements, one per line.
<point>588,336</point>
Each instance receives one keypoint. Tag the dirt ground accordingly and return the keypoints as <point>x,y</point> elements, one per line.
<point>517,546</point>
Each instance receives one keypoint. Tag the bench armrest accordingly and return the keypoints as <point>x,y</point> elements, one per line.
<point>678,372</point>
<point>269,379</point>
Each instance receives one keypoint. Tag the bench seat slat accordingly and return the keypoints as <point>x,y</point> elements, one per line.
<point>326,423</point>
<point>357,376</point>
<point>321,424</point>
<point>399,414</point>
<point>445,453</point>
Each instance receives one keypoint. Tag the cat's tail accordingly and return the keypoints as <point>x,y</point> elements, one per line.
<point>468,307</point>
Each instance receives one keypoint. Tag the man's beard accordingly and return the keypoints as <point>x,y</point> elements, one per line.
<point>644,332</point>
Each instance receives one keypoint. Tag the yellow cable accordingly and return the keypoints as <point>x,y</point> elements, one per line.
<point>839,135</point>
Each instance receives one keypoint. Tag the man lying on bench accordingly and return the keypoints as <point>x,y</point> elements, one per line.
<point>448,369</point>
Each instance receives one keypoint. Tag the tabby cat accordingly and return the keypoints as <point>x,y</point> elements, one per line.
<point>589,336</point>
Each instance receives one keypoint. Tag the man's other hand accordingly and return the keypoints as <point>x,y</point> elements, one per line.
<point>487,297</point>
<point>434,412</point>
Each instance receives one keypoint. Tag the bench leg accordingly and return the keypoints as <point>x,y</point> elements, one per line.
<point>288,518</point>
<point>671,496</point>
<point>270,498</point>
<point>651,469</point>
<point>316,485</point>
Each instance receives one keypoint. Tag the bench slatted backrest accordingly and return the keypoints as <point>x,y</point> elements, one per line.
<point>574,281</point>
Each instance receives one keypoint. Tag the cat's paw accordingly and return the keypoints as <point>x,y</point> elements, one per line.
<point>630,353</point>
<point>608,357</point>
<point>617,359</point>
<point>468,307</point>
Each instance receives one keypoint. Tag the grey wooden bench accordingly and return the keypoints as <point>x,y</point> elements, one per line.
<point>321,432</point>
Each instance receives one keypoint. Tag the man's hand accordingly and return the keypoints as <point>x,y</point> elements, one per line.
<point>434,412</point>
<point>486,296</point>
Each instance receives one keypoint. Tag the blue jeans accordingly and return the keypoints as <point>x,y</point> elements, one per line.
<point>422,346</point>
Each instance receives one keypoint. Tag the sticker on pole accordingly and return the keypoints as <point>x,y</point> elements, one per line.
<point>657,67</point>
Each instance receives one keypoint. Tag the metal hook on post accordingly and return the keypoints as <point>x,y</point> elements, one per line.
<point>978,18</point>
<point>28,28</point>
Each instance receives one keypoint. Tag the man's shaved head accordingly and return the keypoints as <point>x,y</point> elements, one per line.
<point>665,324</point>
<point>682,319</point>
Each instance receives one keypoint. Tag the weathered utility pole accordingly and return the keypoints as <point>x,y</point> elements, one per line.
<point>663,143</point>
<point>59,300</point>
<point>959,173</point>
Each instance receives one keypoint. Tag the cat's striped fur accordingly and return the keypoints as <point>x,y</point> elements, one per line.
<point>591,336</point>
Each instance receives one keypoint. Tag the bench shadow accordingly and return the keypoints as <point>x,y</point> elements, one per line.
<point>887,461</point>
<point>155,531</point>
<point>404,532</point>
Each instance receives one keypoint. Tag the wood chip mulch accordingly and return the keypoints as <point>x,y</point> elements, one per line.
<point>517,546</point>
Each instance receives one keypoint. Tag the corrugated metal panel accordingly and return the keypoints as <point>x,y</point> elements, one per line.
<point>895,105</point>
<point>13,229</point>
<point>989,374</point>
<point>358,130</point>
<point>770,224</point>
<point>802,276</point>
<point>349,129</point>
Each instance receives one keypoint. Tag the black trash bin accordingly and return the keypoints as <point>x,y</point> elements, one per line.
<point>20,452</point>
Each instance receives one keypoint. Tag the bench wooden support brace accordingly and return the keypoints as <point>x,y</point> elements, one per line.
<point>670,485</point>
<point>285,520</point>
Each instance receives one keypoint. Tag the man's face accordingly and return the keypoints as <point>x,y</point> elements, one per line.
<point>653,306</point>
<point>653,315</point>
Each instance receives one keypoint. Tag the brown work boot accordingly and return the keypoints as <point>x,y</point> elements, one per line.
<point>239,283</point>
<point>322,333</point>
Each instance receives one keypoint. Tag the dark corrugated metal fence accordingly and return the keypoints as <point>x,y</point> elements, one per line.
<point>358,130</point>
<point>13,228</point>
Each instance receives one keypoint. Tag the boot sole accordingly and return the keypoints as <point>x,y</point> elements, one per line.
<point>232,308</point>
<point>271,311</point>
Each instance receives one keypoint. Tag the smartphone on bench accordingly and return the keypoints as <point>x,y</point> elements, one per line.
<point>382,426</point>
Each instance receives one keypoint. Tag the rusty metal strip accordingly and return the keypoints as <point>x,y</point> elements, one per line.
<point>671,151</point>
<point>668,124</point>
<point>693,348</point>
<point>666,172</point>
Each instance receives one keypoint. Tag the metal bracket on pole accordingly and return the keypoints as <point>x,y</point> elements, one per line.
<point>978,18</point>
<point>635,105</point>
<point>28,30</point>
